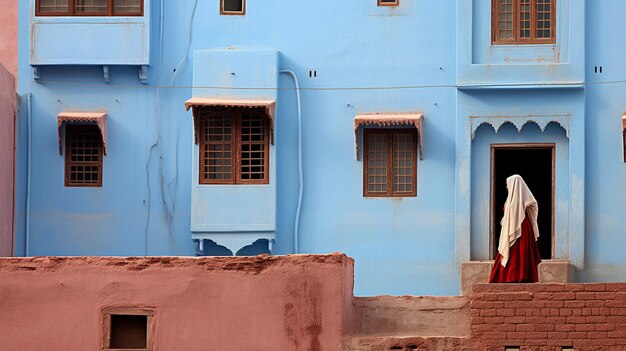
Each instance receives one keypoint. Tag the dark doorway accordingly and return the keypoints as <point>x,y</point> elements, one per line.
<point>535,163</point>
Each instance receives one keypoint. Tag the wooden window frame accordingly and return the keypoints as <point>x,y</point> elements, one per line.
<point>70,130</point>
<point>390,3</point>
<point>390,177</point>
<point>72,11</point>
<point>233,13</point>
<point>235,148</point>
<point>127,311</point>
<point>516,40</point>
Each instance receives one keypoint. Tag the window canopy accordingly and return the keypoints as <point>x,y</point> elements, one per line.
<point>196,103</point>
<point>97,118</point>
<point>390,120</point>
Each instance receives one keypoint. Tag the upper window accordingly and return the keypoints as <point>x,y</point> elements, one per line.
<point>83,156</point>
<point>89,7</point>
<point>234,146</point>
<point>523,21</point>
<point>390,162</point>
<point>388,2</point>
<point>233,7</point>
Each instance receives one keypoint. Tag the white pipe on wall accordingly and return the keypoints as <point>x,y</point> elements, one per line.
<point>28,170</point>
<point>296,229</point>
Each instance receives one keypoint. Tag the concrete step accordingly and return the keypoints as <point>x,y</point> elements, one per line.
<point>407,343</point>
<point>419,316</point>
<point>550,272</point>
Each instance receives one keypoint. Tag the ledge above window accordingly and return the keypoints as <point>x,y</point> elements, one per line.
<point>95,118</point>
<point>196,103</point>
<point>390,120</point>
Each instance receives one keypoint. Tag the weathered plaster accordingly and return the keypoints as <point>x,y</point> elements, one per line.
<point>412,315</point>
<point>8,35</point>
<point>256,303</point>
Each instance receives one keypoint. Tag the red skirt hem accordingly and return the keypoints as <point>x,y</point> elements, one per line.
<point>524,258</point>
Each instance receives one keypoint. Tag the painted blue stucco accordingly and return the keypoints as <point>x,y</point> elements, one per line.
<point>235,216</point>
<point>424,56</point>
<point>87,40</point>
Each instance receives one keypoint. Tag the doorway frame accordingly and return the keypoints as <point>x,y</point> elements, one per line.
<point>492,193</point>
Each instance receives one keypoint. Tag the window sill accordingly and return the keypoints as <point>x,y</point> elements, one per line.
<point>89,19</point>
<point>526,45</point>
<point>390,197</point>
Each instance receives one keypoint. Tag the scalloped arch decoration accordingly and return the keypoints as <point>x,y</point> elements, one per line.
<point>520,121</point>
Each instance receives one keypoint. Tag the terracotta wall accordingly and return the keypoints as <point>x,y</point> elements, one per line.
<point>548,317</point>
<point>8,35</point>
<point>243,303</point>
<point>7,166</point>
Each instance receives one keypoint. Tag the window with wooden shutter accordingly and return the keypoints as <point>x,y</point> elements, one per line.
<point>390,162</point>
<point>234,146</point>
<point>89,7</point>
<point>523,21</point>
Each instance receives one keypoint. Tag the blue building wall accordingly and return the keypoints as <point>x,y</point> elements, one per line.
<point>429,57</point>
<point>606,172</point>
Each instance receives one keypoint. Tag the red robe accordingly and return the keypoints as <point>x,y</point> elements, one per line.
<point>523,260</point>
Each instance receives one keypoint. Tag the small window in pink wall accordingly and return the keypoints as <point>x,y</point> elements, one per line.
<point>127,329</point>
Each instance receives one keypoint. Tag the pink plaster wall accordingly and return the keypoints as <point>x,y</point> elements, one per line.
<point>263,303</point>
<point>8,35</point>
<point>7,160</point>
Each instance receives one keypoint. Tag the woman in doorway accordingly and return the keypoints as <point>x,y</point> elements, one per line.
<point>518,254</point>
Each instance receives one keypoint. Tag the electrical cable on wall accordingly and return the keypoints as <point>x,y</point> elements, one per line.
<point>168,210</point>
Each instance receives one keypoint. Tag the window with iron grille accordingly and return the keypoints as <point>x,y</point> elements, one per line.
<point>523,21</point>
<point>234,146</point>
<point>83,156</point>
<point>390,162</point>
<point>89,7</point>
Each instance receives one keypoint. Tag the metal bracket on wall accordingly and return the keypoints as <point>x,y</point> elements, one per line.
<point>143,74</point>
<point>199,247</point>
<point>105,71</point>
<point>36,73</point>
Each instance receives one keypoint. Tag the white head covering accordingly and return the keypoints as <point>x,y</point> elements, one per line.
<point>519,202</point>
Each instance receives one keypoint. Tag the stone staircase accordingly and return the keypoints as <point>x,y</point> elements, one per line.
<point>427,323</point>
<point>410,323</point>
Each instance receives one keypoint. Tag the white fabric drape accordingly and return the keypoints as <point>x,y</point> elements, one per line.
<point>519,202</point>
